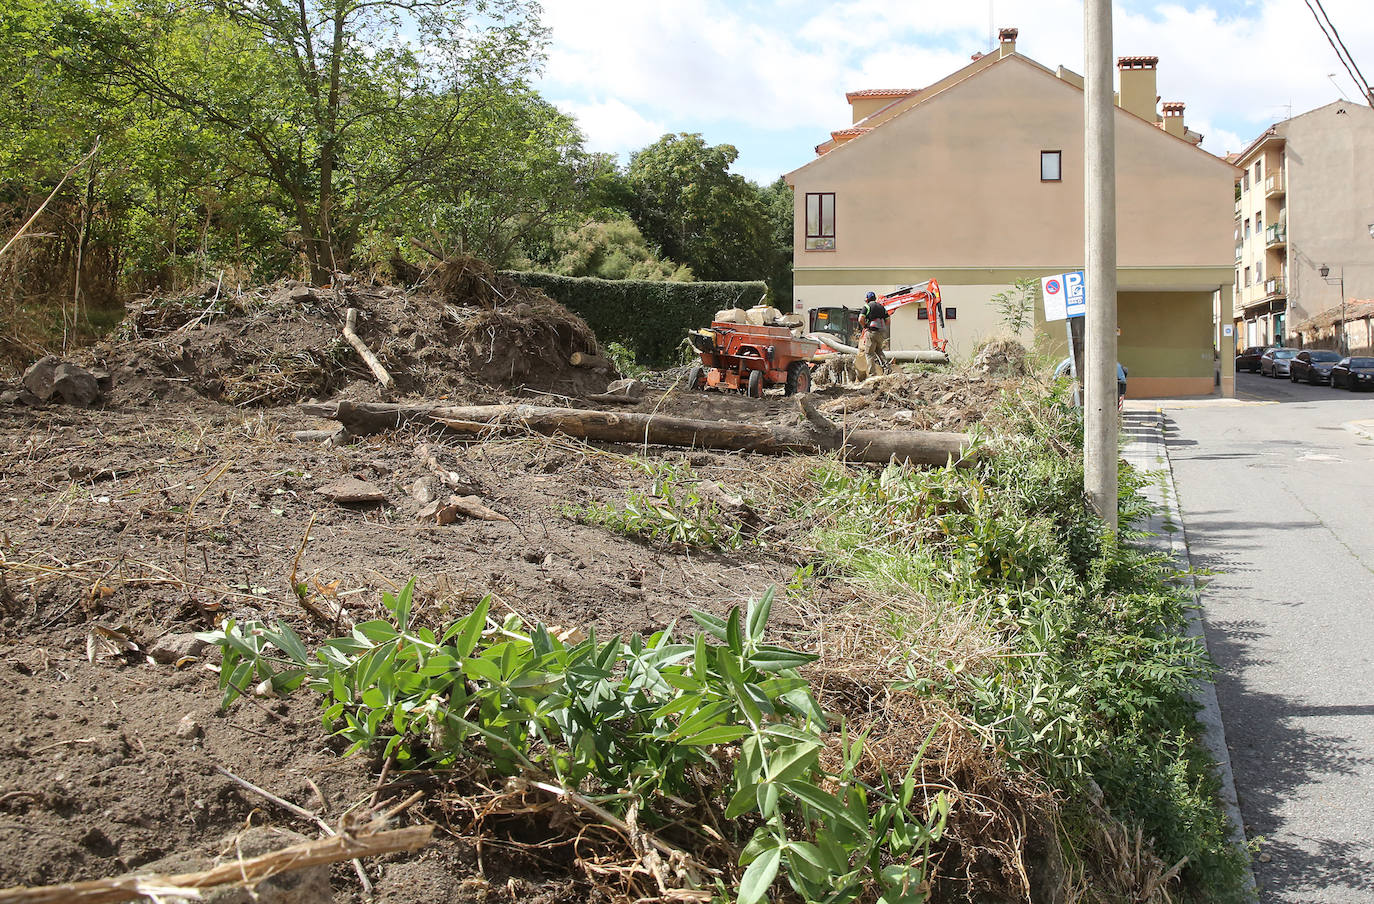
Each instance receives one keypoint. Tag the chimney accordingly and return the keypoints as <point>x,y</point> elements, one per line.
<point>1173,119</point>
<point>1137,94</point>
<point>1006,40</point>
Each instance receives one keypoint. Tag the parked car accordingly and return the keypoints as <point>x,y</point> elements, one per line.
<point>1062,370</point>
<point>1274,362</point>
<point>1249,359</point>
<point>1353,374</point>
<point>1313,366</point>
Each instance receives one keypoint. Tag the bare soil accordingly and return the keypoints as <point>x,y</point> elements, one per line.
<point>185,500</point>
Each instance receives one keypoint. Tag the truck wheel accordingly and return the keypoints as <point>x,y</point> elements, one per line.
<point>798,378</point>
<point>755,388</point>
<point>694,377</point>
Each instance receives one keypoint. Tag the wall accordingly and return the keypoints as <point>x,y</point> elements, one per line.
<point>1330,165</point>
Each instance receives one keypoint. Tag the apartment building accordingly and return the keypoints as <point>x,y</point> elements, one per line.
<point>1304,204</point>
<point>977,180</point>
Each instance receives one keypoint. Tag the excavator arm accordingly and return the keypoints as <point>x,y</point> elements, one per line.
<point>927,293</point>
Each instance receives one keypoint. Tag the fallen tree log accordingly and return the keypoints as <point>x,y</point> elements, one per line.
<point>818,434</point>
<point>593,362</point>
<point>371,360</point>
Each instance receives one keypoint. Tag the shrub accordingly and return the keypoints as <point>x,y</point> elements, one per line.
<point>650,317</point>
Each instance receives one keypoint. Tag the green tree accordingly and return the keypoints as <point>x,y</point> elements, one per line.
<point>779,199</point>
<point>613,250</point>
<point>343,106</point>
<point>686,200</point>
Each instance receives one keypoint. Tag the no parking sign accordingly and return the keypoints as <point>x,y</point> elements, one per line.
<point>1064,295</point>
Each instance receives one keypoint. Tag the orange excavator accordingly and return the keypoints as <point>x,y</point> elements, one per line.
<point>928,293</point>
<point>843,323</point>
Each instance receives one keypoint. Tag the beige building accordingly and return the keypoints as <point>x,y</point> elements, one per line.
<point>1305,200</point>
<point>977,181</point>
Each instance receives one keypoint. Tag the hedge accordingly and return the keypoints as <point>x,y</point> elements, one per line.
<point>650,317</point>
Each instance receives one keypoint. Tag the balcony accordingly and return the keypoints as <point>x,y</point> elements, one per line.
<point>1274,288</point>
<point>1237,208</point>
<point>1273,186</point>
<point>1239,249</point>
<point>1276,236</point>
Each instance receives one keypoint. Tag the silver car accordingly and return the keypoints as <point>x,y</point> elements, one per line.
<point>1274,362</point>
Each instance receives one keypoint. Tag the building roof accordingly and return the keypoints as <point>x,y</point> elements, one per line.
<point>905,103</point>
<point>1137,62</point>
<point>879,92</point>
<point>852,130</point>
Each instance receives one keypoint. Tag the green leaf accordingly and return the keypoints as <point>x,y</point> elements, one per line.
<point>733,638</point>
<point>758,616</point>
<point>775,659</point>
<point>482,670</point>
<point>825,803</point>
<point>710,624</point>
<point>753,885</point>
<point>376,631</point>
<point>720,734</point>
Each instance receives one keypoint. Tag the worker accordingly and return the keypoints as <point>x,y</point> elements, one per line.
<point>873,321</point>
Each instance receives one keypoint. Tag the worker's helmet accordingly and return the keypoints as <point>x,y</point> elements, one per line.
<point>871,296</point>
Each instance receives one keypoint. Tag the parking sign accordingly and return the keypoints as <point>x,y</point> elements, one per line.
<point>1064,295</point>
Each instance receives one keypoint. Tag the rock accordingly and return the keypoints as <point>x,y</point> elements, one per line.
<point>425,489</point>
<point>169,648</point>
<point>188,729</point>
<point>348,490</point>
<point>630,389</point>
<point>438,512</point>
<point>312,436</point>
<point>39,376</point>
<point>300,886</point>
<point>302,293</point>
<point>9,397</point>
<point>75,384</point>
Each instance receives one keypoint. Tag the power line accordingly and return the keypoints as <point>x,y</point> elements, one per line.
<point>1369,95</point>
<point>1342,53</point>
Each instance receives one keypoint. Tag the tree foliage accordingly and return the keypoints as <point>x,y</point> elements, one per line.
<point>612,250</point>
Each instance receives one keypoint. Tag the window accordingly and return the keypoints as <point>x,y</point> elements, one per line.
<point>951,313</point>
<point>1259,222</point>
<point>1237,279</point>
<point>1257,171</point>
<point>1051,169</point>
<point>820,221</point>
<point>1247,277</point>
<point>1247,227</point>
<point>1245,179</point>
<point>1259,271</point>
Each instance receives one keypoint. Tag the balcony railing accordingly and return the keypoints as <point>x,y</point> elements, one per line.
<point>1274,288</point>
<point>1273,185</point>
<point>1239,249</point>
<point>1276,234</point>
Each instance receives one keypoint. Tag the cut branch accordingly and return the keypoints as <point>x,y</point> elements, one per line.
<point>243,873</point>
<point>378,371</point>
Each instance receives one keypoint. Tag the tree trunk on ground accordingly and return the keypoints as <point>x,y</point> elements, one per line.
<point>817,435</point>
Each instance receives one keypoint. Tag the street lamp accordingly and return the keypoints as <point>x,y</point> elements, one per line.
<point>1340,278</point>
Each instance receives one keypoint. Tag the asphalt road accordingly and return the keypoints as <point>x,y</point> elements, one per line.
<point>1277,501</point>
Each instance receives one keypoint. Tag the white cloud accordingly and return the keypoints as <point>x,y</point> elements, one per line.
<point>611,126</point>
<point>632,70</point>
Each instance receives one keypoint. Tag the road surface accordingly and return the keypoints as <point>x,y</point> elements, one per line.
<point>1278,501</point>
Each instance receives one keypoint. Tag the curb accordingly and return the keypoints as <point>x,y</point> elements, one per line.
<point>1145,449</point>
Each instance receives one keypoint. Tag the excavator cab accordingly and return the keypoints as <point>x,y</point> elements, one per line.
<point>842,323</point>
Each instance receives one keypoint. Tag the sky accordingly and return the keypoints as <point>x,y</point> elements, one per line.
<point>769,76</point>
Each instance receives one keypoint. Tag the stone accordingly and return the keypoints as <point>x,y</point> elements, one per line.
<point>9,397</point>
<point>630,389</point>
<point>170,648</point>
<point>188,729</point>
<point>75,384</point>
<point>299,886</point>
<point>425,489</point>
<point>302,293</point>
<point>347,490</point>
<point>39,376</point>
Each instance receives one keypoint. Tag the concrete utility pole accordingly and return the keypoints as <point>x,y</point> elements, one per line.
<point>1099,193</point>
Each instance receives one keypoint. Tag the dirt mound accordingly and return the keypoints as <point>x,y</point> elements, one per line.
<point>917,400</point>
<point>472,333</point>
<point>1002,357</point>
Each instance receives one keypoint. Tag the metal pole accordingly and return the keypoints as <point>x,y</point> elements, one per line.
<point>1099,192</point>
<point>1345,335</point>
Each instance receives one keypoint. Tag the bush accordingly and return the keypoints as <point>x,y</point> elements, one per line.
<point>650,317</point>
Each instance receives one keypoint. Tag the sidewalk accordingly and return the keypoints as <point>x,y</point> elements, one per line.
<point>1143,447</point>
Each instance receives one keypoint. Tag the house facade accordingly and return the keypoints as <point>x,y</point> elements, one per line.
<point>1304,201</point>
<point>977,181</point>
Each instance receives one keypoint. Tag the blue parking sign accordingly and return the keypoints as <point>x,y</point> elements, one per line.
<point>1064,295</point>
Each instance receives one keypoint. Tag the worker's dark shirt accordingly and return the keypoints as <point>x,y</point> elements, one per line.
<point>875,313</point>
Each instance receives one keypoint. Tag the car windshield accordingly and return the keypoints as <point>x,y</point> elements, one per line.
<point>1323,356</point>
<point>1284,353</point>
<point>1362,362</point>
